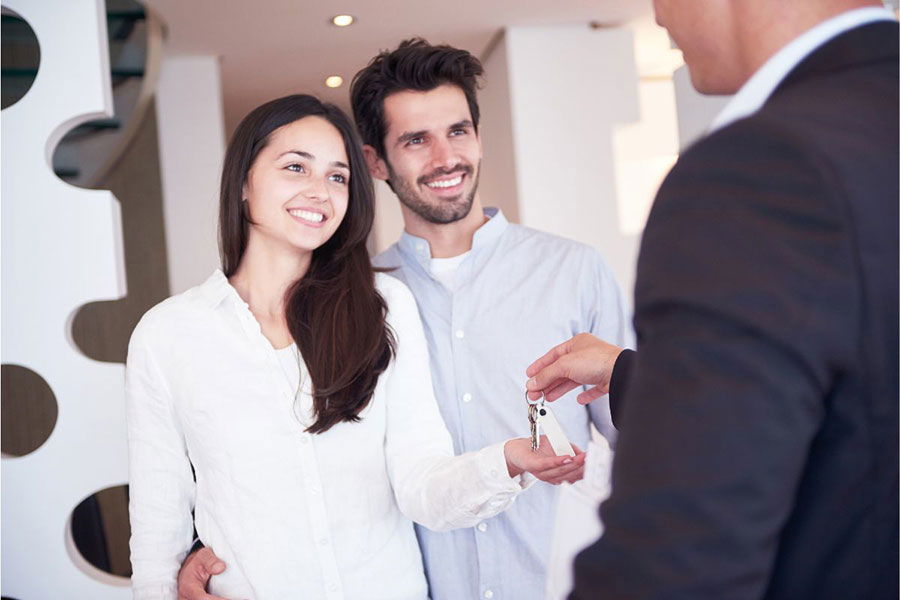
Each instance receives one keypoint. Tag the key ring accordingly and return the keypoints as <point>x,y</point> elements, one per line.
<point>534,402</point>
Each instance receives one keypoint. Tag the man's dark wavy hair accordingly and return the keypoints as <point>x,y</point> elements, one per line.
<point>414,65</point>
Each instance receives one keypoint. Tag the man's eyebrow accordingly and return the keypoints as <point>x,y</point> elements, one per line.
<point>405,137</point>
<point>308,156</point>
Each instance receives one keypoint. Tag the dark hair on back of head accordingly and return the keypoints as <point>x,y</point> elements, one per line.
<point>414,65</point>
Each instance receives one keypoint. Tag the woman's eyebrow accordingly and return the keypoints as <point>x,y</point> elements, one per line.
<point>308,156</point>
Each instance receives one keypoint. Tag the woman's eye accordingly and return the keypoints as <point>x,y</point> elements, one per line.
<point>295,168</point>
<point>339,178</point>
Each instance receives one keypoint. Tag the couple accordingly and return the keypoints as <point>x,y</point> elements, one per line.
<point>297,382</point>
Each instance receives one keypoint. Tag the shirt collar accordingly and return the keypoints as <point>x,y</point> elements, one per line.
<point>754,93</point>
<point>216,290</point>
<point>487,234</point>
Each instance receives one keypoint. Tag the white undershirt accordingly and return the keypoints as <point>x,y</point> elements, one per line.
<point>444,270</point>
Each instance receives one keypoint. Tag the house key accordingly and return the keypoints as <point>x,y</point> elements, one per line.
<point>540,417</point>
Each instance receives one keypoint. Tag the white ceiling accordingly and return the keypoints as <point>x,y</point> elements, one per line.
<point>270,48</point>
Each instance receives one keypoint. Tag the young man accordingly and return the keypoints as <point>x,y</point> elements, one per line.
<point>759,449</point>
<point>491,295</point>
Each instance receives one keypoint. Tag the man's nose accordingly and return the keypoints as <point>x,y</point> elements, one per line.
<point>444,156</point>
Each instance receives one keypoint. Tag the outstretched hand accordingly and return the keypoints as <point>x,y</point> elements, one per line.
<point>543,464</point>
<point>582,360</point>
<point>195,573</point>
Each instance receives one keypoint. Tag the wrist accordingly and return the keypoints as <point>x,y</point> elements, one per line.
<point>508,453</point>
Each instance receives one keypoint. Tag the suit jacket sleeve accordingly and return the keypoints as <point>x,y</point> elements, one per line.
<point>618,384</point>
<point>744,301</point>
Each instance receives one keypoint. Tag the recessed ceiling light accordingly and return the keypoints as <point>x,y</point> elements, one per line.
<point>342,20</point>
<point>334,81</point>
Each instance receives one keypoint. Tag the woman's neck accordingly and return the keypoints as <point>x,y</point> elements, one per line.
<point>265,273</point>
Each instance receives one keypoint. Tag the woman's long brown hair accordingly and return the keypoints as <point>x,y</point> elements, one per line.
<point>334,313</point>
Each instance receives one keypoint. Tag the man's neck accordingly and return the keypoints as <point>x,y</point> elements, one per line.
<point>767,26</point>
<point>449,239</point>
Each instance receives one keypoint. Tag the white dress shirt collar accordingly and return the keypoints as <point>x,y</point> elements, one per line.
<point>754,93</point>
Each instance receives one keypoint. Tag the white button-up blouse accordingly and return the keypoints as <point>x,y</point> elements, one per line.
<point>293,515</point>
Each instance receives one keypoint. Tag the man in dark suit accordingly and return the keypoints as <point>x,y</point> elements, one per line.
<point>758,452</point>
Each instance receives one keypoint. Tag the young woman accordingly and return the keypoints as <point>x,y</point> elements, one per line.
<point>296,384</point>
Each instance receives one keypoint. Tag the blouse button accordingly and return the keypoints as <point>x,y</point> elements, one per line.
<point>482,527</point>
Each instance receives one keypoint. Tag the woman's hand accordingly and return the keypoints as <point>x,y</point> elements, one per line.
<point>543,464</point>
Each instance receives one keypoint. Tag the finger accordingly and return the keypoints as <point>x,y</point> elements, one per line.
<point>545,377</point>
<point>209,561</point>
<point>558,391</point>
<point>576,475</point>
<point>542,464</point>
<point>561,470</point>
<point>588,396</point>
<point>199,595</point>
<point>548,358</point>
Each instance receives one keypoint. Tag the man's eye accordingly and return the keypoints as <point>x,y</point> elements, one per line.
<point>295,167</point>
<point>415,141</point>
<point>458,132</point>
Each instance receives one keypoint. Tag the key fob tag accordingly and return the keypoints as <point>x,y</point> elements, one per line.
<point>550,426</point>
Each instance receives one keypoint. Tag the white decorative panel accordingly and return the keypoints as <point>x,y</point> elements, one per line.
<point>61,248</point>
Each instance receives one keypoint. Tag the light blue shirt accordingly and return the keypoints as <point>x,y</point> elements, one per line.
<point>518,293</point>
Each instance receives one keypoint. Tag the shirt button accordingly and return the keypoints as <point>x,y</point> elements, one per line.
<point>467,398</point>
<point>304,439</point>
<point>481,527</point>
<point>332,587</point>
<point>488,594</point>
<point>494,473</point>
<point>323,542</point>
<point>315,489</point>
<point>460,334</point>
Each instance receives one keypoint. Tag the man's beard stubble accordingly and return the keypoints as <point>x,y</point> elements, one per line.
<point>447,211</point>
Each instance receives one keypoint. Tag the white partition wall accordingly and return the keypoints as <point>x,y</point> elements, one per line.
<point>556,95</point>
<point>191,146</point>
<point>581,125</point>
<point>61,248</point>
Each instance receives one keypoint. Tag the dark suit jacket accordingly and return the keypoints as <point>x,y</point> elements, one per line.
<point>758,452</point>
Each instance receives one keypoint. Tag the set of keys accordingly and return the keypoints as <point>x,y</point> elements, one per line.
<point>541,418</point>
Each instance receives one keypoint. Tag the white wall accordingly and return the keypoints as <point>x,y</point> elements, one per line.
<point>564,99</point>
<point>498,185</point>
<point>61,249</point>
<point>191,147</point>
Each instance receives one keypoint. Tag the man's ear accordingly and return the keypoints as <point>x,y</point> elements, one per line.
<point>377,166</point>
